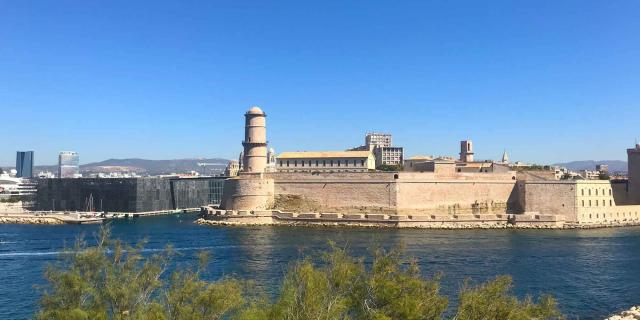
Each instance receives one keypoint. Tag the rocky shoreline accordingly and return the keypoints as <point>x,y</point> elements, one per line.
<point>631,314</point>
<point>442,226</point>
<point>31,220</point>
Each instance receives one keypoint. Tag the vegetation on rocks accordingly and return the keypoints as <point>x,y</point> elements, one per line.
<point>112,280</point>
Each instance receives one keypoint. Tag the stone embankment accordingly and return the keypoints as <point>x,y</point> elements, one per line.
<point>214,216</point>
<point>631,314</point>
<point>30,220</point>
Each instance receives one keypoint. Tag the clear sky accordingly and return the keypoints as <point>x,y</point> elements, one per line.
<point>549,81</point>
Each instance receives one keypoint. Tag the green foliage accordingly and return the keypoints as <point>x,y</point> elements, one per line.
<point>390,167</point>
<point>493,300</point>
<point>604,176</point>
<point>114,281</point>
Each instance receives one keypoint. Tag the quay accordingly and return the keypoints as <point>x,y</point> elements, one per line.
<point>62,217</point>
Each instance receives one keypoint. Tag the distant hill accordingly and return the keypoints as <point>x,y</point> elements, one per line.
<point>614,165</point>
<point>155,167</point>
<point>146,167</point>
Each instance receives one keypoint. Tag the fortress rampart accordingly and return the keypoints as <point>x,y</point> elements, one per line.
<point>401,193</point>
<point>440,198</point>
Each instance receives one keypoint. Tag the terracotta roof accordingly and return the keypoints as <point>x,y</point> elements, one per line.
<point>324,154</point>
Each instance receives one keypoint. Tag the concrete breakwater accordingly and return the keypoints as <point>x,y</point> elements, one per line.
<point>30,220</point>
<point>49,218</point>
<point>631,314</point>
<point>212,216</point>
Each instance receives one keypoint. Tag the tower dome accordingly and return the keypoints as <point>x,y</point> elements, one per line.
<point>255,110</point>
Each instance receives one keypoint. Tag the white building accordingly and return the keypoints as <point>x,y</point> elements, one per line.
<point>327,161</point>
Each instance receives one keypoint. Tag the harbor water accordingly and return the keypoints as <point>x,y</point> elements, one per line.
<point>592,273</point>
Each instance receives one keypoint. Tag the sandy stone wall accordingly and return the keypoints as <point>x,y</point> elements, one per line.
<point>340,191</point>
<point>550,197</point>
<point>404,192</point>
<point>248,192</point>
<point>459,193</point>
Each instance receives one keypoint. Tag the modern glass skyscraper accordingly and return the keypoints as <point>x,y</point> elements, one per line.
<point>68,164</point>
<point>24,164</point>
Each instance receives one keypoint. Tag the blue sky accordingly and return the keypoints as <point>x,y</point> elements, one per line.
<point>549,81</point>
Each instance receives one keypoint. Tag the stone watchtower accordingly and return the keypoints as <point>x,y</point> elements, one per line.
<point>251,190</point>
<point>255,141</point>
<point>466,151</point>
<point>633,163</point>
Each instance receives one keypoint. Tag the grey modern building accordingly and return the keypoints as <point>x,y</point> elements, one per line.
<point>128,194</point>
<point>24,164</point>
<point>68,164</point>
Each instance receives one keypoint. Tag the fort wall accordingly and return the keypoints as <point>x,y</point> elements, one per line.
<point>402,193</point>
<point>347,192</point>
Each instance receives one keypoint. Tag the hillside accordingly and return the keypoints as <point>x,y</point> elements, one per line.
<point>146,167</point>
<point>154,167</point>
<point>614,165</point>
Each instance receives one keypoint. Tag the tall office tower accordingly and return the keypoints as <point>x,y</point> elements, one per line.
<point>633,163</point>
<point>24,164</point>
<point>68,164</point>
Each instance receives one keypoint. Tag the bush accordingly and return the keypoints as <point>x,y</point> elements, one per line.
<point>112,280</point>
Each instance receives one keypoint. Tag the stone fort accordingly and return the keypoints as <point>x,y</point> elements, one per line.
<point>439,196</point>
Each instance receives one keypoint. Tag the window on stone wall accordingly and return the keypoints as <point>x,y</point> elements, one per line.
<point>610,203</point>
<point>596,192</point>
<point>604,204</point>
<point>609,191</point>
<point>589,203</point>
<point>338,163</point>
<point>331,163</point>
<point>582,192</point>
<point>583,203</point>
<point>302,163</point>
<point>295,163</point>
<point>362,163</point>
<point>589,191</point>
<point>287,163</point>
<point>317,162</point>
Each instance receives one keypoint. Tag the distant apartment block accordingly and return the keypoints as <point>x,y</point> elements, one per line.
<point>68,164</point>
<point>24,164</point>
<point>382,146</point>
<point>389,155</point>
<point>378,139</point>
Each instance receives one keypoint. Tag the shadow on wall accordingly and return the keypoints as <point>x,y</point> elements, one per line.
<point>516,201</point>
<point>620,191</point>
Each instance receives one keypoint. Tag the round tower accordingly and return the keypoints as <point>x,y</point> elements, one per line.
<point>255,141</point>
<point>251,190</point>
